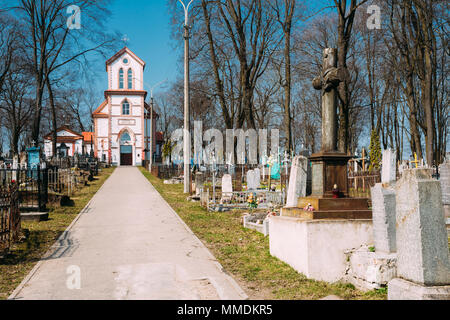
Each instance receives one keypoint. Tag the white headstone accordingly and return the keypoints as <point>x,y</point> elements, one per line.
<point>389,166</point>
<point>227,184</point>
<point>257,178</point>
<point>297,181</point>
<point>251,180</point>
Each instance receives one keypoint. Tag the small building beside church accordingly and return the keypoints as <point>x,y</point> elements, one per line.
<point>122,122</point>
<point>68,143</point>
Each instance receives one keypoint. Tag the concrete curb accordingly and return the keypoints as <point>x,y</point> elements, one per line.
<point>230,279</point>
<point>33,271</point>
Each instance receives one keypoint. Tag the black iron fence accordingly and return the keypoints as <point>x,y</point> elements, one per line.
<point>10,226</point>
<point>32,186</point>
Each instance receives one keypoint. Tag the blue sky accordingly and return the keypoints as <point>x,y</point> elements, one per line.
<point>146,24</point>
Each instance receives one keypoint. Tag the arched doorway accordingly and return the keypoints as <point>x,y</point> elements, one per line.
<point>126,149</point>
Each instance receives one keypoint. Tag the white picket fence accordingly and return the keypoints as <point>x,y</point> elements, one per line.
<point>239,199</point>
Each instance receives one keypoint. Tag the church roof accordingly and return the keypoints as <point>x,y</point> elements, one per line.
<point>64,128</point>
<point>120,53</point>
<point>98,112</point>
<point>88,136</point>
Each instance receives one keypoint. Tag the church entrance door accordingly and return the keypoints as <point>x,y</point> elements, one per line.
<point>126,155</point>
<point>126,150</point>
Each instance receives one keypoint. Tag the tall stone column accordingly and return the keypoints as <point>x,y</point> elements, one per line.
<point>329,166</point>
<point>328,83</point>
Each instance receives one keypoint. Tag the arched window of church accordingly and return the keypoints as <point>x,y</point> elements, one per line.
<point>121,75</point>
<point>125,138</point>
<point>130,79</point>
<point>126,108</point>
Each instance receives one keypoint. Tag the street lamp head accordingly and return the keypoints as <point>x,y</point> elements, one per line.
<point>186,11</point>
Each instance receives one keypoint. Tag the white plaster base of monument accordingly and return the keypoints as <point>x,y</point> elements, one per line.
<point>316,248</point>
<point>400,289</point>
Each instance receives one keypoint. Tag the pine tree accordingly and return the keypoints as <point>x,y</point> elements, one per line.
<point>375,154</point>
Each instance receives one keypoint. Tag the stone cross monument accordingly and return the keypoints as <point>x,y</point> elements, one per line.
<point>329,165</point>
<point>328,82</point>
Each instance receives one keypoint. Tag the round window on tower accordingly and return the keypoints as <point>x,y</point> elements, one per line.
<point>125,61</point>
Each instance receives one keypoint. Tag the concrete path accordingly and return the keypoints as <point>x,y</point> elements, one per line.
<point>128,243</point>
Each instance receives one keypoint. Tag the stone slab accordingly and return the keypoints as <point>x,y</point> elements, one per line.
<point>316,248</point>
<point>261,228</point>
<point>389,166</point>
<point>297,181</point>
<point>422,239</point>
<point>324,204</point>
<point>34,216</point>
<point>400,289</point>
<point>383,211</point>
<point>328,214</point>
<point>370,270</point>
<point>444,171</point>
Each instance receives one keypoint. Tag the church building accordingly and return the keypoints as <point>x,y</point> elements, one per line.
<point>122,121</point>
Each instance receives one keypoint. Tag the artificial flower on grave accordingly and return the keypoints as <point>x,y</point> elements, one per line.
<point>252,201</point>
<point>309,207</point>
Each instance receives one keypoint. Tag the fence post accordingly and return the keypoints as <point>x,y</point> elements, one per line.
<point>38,168</point>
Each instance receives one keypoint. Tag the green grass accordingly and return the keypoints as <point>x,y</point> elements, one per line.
<point>41,236</point>
<point>245,254</point>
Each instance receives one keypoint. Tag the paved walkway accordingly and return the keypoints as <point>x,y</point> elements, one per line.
<point>128,243</point>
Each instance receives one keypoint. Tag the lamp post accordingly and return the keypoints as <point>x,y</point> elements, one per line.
<point>187,140</point>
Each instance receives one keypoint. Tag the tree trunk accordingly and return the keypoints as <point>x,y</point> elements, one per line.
<point>54,121</point>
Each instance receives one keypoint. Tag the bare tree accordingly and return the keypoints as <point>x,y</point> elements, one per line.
<point>51,43</point>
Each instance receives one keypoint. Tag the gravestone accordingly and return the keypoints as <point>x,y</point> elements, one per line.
<point>34,161</point>
<point>402,167</point>
<point>23,160</point>
<point>199,180</point>
<point>389,166</point>
<point>227,187</point>
<point>33,157</point>
<point>15,167</point>
<point>257,178</point>
<point>251,180</point>
<point>422,240</point>
<point>297,181</point>
<point>383,211</point>
<point>444,171</point>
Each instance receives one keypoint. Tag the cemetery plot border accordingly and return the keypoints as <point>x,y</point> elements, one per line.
<point>239,199</point>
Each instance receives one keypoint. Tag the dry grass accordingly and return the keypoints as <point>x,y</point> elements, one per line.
<point>245,254</point>
<point>41,236</point>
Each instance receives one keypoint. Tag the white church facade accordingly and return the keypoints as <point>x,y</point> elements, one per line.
<point>122,122</point>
